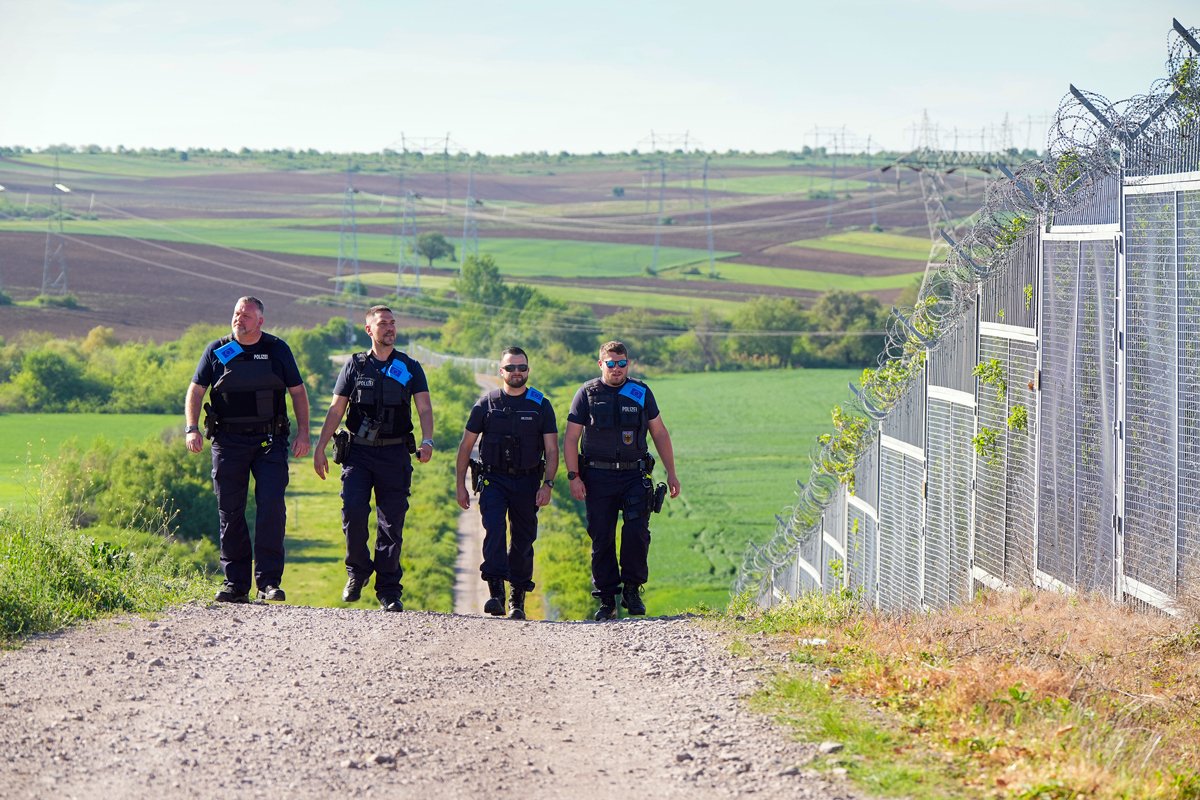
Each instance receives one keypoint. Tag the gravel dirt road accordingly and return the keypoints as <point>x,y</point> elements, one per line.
<point>277,701</point>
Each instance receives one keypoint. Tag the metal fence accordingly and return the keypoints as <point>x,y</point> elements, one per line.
<point>1048,432</point>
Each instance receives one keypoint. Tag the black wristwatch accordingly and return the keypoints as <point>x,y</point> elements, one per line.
<point>548,483</point>
<point>572,475</point>
<point>191,429</point>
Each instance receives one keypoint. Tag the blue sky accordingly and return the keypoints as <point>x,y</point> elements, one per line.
<point>504,77</point>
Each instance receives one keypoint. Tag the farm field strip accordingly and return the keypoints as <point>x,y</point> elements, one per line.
<point>129,166</point>
<point>616,296</point>
<point>776,184</point>
<point>864,243</point>
<point>806,280</point>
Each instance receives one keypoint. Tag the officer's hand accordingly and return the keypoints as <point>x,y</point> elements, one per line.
<point>320,463</point>
<point>302,446</point>
<point>543,496</point>
<point>424,453</point>
<point>464,497</point>
<point>578,490</point>
<point>194,442</point>
<point>673,485</point>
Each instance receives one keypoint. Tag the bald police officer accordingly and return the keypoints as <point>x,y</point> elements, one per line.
<point>519,457</point>
<point>250,372</point>
<point>376,391</point>
<point>609,468</point>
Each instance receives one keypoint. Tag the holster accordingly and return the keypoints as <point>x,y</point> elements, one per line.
<point>476,468</point>
<point>210,422</point>
<point>341,446</point>
<point>660,494</point>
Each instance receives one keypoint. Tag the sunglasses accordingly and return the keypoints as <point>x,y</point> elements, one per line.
<point>515,368</point>
<point>620,363</point>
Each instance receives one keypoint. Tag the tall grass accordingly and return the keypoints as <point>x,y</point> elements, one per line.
<point>52,574</point>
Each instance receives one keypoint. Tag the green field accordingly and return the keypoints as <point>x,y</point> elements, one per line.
<point>866,243</point>
<point>808,280</point>
<point>29,440</point>
<point>741,441</point>
<point>129,166</point>
<point>776,184</point>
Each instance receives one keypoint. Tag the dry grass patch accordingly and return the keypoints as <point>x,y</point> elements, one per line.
<point>1024,694</point>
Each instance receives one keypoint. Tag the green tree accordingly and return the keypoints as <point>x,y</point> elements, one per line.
<point>766,329</point>
<point>479,282</point>
<point>431,245</point>
<point>852,316</point>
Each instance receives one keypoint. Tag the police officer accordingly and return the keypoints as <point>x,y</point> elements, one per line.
<point>611,416</point>
<point>250,372</point>
<point>518,458</point>
<point>379,387</point>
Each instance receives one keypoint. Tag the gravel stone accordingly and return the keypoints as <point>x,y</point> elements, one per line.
<point>313,703</point>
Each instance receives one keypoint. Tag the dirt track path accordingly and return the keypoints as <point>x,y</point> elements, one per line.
<point>277,701</point>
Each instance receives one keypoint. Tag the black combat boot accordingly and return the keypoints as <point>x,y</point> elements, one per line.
<point>608,608</point>
<point>631,599</point>
<point>516,602</point>
<point>495,603</point>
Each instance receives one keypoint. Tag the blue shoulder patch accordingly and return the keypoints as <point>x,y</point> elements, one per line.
<point>634,392</point>
<point>228,352</point>
<point>397,370</point>
<point>534,396</point>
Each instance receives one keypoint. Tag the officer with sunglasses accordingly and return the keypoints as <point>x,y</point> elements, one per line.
<point>518,457</point>
<point>609,468</point>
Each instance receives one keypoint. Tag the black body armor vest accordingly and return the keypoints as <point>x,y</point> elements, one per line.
<point>249,391</point>
<point>512,433</point>
<point>380,398</point>
<point>617,428</point>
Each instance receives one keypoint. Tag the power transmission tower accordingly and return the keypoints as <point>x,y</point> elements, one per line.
<point>55,260</point>
<point>348,245</point>
<point>712,264</point>
<point>470,237</point>
<point>408,265</point>
<point>678,147</point>
<point>932,164</point>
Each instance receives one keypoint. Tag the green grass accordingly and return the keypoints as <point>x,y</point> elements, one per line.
<point>52,575</point>
<point>28,441</point>
<point>130,166</point>
<point>866,243</point>
<point>741,442</point>
<point>807,280</point>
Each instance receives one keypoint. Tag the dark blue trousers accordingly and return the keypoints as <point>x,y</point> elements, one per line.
<point>388,471</point>
<point>235,457</point>
<point>508,504</point>
<point>609,493</point>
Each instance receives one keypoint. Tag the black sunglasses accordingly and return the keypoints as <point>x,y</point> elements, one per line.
<point>622,362</point>
<point>515,368</point>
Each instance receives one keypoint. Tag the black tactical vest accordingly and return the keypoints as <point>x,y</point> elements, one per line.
<point>512,433</point>
<point>249,391</point>
<point>616,430</point>
<point>379,397</point>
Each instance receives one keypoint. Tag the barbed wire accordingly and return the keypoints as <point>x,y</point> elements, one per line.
<point>1091,141</point>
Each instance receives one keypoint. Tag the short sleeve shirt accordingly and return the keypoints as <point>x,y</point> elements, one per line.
<point>479,412</point>
<point>581,414</point>
<point>283,363</point>
<point>347,379</point>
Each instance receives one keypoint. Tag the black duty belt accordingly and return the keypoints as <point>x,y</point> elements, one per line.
<point>270,428</point>
<point>616,465</point>
<point>515,472</point>
<point>358,440</point>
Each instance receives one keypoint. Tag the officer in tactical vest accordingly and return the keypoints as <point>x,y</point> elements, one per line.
<point>249,373</point>
<point>518,457</point>
<point>609,468</point>
<point>379,387</point>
